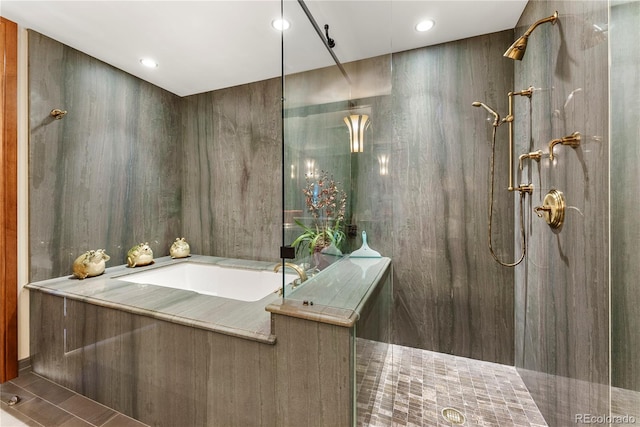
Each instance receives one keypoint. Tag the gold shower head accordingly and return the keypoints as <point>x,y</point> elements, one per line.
<point>517,49</point>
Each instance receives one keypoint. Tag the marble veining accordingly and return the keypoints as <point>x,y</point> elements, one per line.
<point>108,174</point>
<point>450,295</point>
<point>562,289</point>
<point>232,317</point>
<point>88,336</point>
<point>337,296</point>
<point>625,199</point>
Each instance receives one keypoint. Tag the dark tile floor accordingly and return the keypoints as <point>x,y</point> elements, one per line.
<point>43,403</point>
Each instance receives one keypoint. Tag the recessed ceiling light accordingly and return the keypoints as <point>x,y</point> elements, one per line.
<point>280,24</point>
<point>425,25</point>
<point>148,62</point>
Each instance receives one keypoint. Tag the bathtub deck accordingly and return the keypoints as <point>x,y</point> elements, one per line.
<point>231,317</point>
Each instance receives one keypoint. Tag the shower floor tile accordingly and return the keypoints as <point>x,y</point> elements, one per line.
<point>403,386</point>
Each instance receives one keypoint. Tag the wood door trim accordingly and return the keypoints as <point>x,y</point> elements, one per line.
<point>9,198</point>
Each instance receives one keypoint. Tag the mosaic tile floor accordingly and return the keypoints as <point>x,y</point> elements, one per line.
<point>403,386</point>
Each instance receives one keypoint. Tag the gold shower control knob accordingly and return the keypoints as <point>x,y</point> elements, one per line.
<point>552,209</point>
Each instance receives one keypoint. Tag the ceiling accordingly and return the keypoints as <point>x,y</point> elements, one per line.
<point>207,45</point>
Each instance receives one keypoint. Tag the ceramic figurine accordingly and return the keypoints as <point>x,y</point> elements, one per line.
<point>140,255</point>
<point>90,263</point>
<point>180,248</point>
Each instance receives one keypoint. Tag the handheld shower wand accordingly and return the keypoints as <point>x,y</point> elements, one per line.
<point>522,189</point>
<point>497,121</point>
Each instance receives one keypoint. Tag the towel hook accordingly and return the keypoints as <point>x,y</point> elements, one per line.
<point>58,114</point>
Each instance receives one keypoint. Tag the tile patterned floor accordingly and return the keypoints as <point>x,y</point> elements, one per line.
<point>397,386</point>
<point>46,404</point>
<point>402,386</point>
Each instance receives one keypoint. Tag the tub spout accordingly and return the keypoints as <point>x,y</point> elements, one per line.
<point>572,141</point>
<point>297,268</point>
<point>534,155</point>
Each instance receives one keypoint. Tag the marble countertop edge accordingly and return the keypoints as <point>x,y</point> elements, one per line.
<point>337,297</point>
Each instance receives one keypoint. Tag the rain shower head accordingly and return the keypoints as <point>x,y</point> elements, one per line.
<point>517,49</point>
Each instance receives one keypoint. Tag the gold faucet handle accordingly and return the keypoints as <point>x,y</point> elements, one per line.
<point>552,209</point>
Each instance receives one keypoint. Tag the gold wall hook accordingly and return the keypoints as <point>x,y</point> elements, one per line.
<point>552,209</point>
<point>57,113</point>
<point>572,141</point>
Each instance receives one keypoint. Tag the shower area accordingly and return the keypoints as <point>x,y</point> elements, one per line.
<point>557,307</point>
<point>369,156</point>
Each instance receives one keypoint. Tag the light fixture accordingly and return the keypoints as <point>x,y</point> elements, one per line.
<point>425,25</point>
<point>310,168</point>
<point>357,124</point>
<point>383,160</point>
<point>280,24</point>
<point>148,62</point>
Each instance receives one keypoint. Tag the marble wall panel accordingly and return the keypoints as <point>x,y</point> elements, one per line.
<point>625,198</point>
<point>108,175</point>
<point>232,202</point>
<point>562,314</point>
<point>450,295</point>
<point>139,366</point>
<point>315,373</point>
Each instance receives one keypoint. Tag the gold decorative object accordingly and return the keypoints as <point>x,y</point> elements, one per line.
<point>552,209</point>
<point>90,263</point>
<point>139,255</point>
<point>180,248</point>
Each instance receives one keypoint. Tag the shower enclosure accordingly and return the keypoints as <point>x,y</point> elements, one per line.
<point>566,316</point>
<point>331,194</point>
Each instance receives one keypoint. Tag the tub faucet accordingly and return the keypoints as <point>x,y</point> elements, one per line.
<point>297,268</point>
<point>572,141</point>
<point>534,155</point>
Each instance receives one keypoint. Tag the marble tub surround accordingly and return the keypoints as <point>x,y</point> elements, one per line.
<point>170,357</point>
<point>232,317</point>
<point>316,346</point>
<point>338,294</point>
<point>161,373</point>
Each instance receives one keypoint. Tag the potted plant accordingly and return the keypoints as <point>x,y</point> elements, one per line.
<point>326,203</point>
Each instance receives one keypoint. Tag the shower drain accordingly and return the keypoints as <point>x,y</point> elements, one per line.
<point>453,416</point>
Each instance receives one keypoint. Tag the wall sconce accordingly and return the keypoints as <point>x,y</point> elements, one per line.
<point>311,167</point>
<point>383,160</point>
<point>293,171</point>
<point>357,124</point>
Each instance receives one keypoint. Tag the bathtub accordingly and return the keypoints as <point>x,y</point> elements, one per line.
<point>214,280</point>
<point>174,357</point>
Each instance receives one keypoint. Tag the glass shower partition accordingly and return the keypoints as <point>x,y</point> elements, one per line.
<point>332,195</point>
<point>624,36</point>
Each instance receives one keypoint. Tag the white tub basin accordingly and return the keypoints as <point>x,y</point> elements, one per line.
<point>209,279</point>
